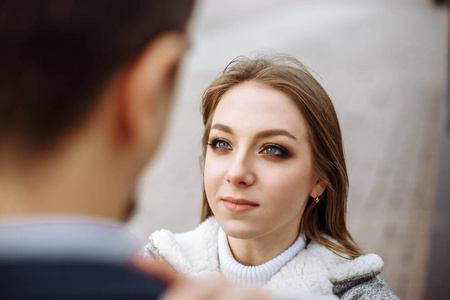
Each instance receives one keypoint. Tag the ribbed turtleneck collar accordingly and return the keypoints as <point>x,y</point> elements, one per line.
<point>253,276</point>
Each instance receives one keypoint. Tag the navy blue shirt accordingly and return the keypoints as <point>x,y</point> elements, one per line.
<point>70,258</point>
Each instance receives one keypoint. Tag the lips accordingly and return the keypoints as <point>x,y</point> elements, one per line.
<point>238,205</point>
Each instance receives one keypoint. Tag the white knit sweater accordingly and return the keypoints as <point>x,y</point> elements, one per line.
<point>314,269</point>
<point>252,276</point>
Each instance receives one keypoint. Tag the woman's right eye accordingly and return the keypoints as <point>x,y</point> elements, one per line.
<point>219,144</point>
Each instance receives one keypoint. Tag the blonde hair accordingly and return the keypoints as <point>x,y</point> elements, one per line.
<point>323,222</point>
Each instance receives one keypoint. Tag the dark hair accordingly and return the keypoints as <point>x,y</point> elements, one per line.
<point>322,222</point>
<point>57,55</point>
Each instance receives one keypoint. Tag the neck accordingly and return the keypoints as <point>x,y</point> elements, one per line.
<point>257,251</point>
<point>76,178</point>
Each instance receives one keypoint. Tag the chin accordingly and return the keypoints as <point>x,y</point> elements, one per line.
<point>240,229</point>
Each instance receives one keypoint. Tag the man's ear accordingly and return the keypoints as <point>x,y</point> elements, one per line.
<point>147,85</point>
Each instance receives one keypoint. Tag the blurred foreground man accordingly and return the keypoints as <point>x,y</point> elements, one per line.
<point>85,88</point>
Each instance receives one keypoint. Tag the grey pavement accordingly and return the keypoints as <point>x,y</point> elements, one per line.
<point>383,64</point>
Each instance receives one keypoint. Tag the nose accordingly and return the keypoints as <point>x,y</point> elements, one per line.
<point>240,172</point>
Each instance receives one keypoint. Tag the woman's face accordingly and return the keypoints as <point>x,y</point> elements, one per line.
<point>258,166</point>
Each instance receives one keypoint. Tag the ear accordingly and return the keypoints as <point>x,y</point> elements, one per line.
<point>318,188</point>
<point>147,87</point>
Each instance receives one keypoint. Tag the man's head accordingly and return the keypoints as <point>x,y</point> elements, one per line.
<point>57,56</point>
<point>82,82</point>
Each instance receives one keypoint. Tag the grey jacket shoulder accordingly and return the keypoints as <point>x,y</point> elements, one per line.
<point>363,288</point>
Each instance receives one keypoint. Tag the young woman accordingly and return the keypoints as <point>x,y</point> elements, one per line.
<point>275,188</point>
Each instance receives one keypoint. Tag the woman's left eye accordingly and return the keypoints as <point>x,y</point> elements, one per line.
<point>275,150</point>
<point>272,150</point>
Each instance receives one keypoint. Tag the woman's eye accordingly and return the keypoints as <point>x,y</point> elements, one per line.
<point>276,151</point>
<point>221,144</point>
<point>272,150</point>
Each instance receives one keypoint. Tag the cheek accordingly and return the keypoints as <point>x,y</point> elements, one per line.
<point>287,200</point>
<point>211,176</point>
<point>290,187</point>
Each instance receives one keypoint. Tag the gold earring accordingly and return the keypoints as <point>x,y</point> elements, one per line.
<point>317,199</point>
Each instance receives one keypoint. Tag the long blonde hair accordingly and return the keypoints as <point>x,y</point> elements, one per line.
<point>323,222</point>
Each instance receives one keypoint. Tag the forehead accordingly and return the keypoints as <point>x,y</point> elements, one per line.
<point>253,105</point>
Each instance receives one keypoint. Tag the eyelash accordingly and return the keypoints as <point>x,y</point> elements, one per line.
<point>283,152</point>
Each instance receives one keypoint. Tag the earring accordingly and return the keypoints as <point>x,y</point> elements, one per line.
<point>317,199</point>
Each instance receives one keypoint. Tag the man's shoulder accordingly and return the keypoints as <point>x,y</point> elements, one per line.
<point>75,279</point>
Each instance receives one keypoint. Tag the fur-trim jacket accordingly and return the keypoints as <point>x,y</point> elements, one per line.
<point>314,269</point>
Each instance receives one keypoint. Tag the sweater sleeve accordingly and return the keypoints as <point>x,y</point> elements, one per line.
<point>374,288</point>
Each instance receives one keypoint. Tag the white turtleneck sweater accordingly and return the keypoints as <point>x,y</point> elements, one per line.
<point>252,276</point>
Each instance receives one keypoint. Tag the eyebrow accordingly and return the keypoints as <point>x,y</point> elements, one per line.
<point>223,128</point>
<point>274,132</point>
<point>260,135</point>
